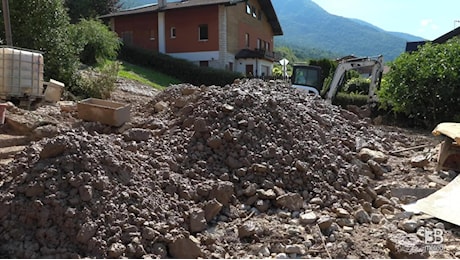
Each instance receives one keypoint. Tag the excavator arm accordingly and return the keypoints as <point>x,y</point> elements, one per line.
<point>354,64</point>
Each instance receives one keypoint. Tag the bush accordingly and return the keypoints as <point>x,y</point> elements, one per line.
<point>178,68</point>
<point>43,25</point>
<point>357,85</point>
<point>344,99</point>
<point>97,83</point>
<point>425,85</point>
<point>95,41</point>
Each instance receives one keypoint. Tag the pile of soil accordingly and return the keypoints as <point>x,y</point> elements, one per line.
<point>253,169</point>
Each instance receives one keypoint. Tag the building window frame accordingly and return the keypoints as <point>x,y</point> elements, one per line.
<point>173,32</point>
<point>203,32</point>
<point>247,42</point>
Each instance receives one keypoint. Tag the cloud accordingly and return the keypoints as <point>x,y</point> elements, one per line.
<point>426,22</point>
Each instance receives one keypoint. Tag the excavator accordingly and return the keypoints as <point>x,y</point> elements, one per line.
<point>308,78</point>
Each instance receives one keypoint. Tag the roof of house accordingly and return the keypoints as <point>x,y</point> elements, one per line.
<point>266,5</point>
<point>413,46</point>
<point>444,38</point>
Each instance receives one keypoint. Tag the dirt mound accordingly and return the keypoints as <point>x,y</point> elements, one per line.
<point>201,159</point>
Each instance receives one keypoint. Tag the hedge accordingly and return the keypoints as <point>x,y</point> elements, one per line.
<point>181,69</point>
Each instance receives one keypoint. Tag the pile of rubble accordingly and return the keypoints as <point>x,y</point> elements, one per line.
<point>254,169</point>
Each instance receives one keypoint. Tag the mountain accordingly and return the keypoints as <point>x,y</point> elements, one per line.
<point>306,24</point>
<point>314,33</point>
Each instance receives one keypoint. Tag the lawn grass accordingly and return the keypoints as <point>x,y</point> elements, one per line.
<point>146,76</point>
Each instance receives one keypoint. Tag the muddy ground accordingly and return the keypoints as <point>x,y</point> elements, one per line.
<point>251,170</point>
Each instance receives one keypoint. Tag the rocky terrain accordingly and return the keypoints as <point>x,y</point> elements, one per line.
<point>251,170</point>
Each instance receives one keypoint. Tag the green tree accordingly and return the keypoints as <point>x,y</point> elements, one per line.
<point>95,41</point>
<point>425,85</point>
<point>43,25</point>
<point>84,9</point>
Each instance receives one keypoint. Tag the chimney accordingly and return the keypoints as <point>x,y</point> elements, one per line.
<point>162,3</point>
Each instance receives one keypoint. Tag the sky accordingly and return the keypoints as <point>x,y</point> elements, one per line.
<point>428,19</point>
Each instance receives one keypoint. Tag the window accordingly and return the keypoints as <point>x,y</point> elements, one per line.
<point>267,46</point>
<point>173,32</point>
<point>248,8</point>
<point>204,63</point>
<point>203,32</point>
<point>127,37</point>
<point>246,40</point>
<point>230,66</point>
<point>259,44</point>
<point>254,12</point>
<point>152,35</point>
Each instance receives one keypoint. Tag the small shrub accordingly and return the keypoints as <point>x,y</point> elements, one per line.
<point>357,85</point>
<point>97,83</point>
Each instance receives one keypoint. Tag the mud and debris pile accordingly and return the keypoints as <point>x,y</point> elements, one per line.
<point>254,169</point>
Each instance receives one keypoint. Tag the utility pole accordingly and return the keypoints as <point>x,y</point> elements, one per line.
<point>6,20</point>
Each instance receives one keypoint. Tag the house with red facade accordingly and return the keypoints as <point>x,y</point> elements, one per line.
<point>235,35</point>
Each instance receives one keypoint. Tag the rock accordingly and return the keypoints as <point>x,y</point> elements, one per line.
<point>324,222</point>
<point>295,249</point>
<point>259,168</point>
<point>86,192</point>
<point>148,233</point>
<point>227,108</point>
<point>381,200</point>
<point>308,218</point>
<point>214,142</point>
<point>317,201</point>
<point>211,209</point>
<point>367,154</point>
<point>197,220</point>
<point>406,246</point>
<point>247,229</point>
<point>345,222</point>
<point>301,166</point>
<point>250,190</point>
<point>116,250</point>
<point>87,231</point>
<point>281,256</point>
<point>160,106</point>
<point>290,201</point>
<point>160,250</point>
<point>185,248</point>
<point>200,125</point>
<point>137,134</point>
<point>222,191</point>
<point>233,163</point>
<point>376,168</point>
<point>342,213</point>
<point>264,251</point>
<point>262,205</point>
<point>419,161</point>
<point>53,148</point>
<point>376,218</point>
<point>410,226</point>
<point>266,194</point>
<point>362,217</point>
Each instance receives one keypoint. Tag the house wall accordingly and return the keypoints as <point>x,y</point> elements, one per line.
<point>239,23</point>
<point>143,27</point>
<point>187,21</point>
